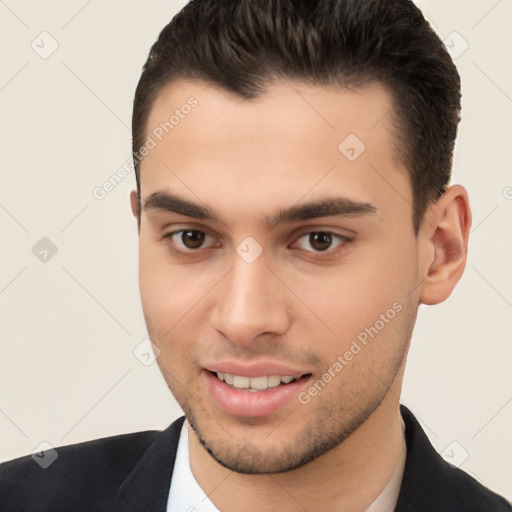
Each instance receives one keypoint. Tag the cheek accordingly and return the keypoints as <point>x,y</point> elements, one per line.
<point>362,300</point>
<point>166,290</point>
<point>168,299</point>
<point>173,295</point>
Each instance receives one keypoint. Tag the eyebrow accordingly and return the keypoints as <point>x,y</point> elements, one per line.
<point>327,207</point>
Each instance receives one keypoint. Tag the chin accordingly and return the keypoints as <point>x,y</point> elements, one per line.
<point>294,451</point>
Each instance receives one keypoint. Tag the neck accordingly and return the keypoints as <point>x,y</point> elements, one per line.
<point>349,477</point>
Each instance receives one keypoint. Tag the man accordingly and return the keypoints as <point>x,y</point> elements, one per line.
<point>292,163</point>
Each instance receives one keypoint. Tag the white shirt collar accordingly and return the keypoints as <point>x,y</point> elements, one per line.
<point>185,494</point>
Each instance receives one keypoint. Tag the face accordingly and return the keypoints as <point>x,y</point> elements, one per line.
<point>278,265</point>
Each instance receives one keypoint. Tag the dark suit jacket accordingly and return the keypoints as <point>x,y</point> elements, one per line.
<point>132,473</point>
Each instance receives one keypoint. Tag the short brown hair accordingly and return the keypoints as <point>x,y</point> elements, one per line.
<point>245,45</point>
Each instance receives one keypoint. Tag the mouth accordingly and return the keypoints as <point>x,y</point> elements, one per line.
<point>259,395</point>
<point>256,384</point>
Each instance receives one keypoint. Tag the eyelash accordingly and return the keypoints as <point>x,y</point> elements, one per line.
<point>344,240</point>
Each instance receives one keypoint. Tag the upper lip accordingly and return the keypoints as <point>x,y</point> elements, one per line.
<point>255,369</point>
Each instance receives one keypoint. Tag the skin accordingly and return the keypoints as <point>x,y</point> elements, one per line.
<point>294,304</point>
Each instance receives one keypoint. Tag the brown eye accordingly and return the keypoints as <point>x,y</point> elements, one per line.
<point>192,239</point>
<point>188,242</point>
<point>320,241</point>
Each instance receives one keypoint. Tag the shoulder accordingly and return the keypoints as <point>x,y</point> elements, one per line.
<point>473,496</point>
<point>85,476</point>
<point>431,483</point>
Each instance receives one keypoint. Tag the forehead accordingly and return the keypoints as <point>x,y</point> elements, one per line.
<point>293,141</point>
<point>294,110</point>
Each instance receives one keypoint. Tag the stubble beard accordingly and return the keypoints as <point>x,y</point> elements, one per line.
<point>332,423</point>
<point>329,427</point>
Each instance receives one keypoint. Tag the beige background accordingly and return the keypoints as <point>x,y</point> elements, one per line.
<point>69,325</point>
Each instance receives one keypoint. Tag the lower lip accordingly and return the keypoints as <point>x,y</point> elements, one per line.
<point>252,404</point>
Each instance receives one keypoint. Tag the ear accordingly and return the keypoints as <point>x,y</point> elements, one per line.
<point>444,237</point>
<point>135,205</point>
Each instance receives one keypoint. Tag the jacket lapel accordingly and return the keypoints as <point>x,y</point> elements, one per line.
<point>146,488</point>
<point>426,481</point>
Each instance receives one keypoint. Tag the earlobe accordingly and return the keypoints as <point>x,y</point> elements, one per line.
<point>135,205</point>
<point>446,235</point>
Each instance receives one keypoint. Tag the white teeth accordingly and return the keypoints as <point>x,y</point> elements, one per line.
<point>259,382</point>
<point>274,381</point>
<point>241,382</point>
<point>254,383</point>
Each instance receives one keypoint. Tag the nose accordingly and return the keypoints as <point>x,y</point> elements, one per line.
<point>250,302</point>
